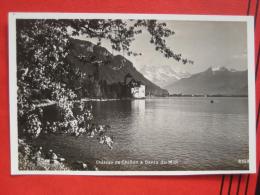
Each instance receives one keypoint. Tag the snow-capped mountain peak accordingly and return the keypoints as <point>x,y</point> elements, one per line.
<point>163,75</point>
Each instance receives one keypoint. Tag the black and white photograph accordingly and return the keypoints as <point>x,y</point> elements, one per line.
<point>131,94</point>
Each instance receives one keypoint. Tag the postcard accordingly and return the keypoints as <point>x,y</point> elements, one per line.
<point>131,94</point>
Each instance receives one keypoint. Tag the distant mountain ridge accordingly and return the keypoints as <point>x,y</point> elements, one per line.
<point>162,75</point>
<point>113,70</point>
<point>212,81</point>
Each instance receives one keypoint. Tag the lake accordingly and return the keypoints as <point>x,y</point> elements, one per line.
<point>176,133</point>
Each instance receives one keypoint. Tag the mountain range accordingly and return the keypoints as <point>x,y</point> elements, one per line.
<point>159,80</point>
<point>163,75</point>
<point>212,81</point>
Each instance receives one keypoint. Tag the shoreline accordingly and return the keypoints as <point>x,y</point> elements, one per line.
<point>46,103</point>
<point>152,97</point>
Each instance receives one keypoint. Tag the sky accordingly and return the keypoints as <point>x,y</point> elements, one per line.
<point>207,43</point>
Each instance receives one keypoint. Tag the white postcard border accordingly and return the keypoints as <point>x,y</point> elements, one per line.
<point>13,87</point>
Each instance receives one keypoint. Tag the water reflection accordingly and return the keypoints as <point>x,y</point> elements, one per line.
<point>138,106</point>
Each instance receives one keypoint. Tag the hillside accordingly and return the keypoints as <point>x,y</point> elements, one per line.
<point>113,69</point>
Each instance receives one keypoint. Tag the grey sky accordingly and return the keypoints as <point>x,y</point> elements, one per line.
<point>208,44</point>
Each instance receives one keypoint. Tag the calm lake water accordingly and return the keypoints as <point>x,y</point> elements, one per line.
<point>178,133</point>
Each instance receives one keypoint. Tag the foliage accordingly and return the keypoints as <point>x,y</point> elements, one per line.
<point>33,126</point>
<point>42,67</point>
<point>33,160</point>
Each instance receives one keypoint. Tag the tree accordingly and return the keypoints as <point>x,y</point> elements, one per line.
<point>42,48</point>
